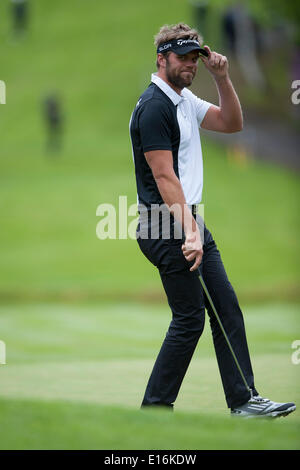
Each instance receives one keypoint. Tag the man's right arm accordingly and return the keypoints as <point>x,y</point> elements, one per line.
<point>169,186</point>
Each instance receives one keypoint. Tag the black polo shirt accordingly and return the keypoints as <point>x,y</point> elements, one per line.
<point>165,120</point>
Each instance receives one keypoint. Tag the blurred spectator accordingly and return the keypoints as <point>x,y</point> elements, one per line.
<point>52,111</point>
<point>200,12</point>
<point>20,16</point>
<point>243,40</point>
<point>229,30</point>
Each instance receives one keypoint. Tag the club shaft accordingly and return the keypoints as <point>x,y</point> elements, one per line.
<point>224,333</point>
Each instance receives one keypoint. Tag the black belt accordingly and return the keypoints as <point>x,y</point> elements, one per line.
<point>194,209</point>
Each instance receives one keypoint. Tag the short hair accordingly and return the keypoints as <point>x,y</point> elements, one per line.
<point>176,31</point>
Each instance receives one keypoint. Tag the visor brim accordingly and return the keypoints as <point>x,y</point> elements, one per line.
<point>187,49</point>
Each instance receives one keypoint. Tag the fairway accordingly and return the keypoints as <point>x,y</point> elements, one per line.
<point>95,360</point>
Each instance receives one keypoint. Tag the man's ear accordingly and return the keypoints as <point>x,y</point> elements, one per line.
<point>161,60</point>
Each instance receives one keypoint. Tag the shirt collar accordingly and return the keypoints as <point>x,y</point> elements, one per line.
<point>174,97</point>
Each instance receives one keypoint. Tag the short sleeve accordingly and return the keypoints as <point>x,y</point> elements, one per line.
<point>200,106</point>
<point>155,126</point>
<point>201,109</point>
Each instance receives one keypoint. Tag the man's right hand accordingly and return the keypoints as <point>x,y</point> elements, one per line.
<point>192,248</point>
<point>169,186</point>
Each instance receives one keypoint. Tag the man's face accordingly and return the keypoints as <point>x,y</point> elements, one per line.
<point>181,69</point>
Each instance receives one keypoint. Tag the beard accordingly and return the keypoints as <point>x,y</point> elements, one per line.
<point>179,80</point>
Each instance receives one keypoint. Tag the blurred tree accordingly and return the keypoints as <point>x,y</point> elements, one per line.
<point>269,8</point>
<point>270,12</point>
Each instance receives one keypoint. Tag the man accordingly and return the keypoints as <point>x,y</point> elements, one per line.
<point>20,15</point>
<point>167,153</point>
<point>52,111</point>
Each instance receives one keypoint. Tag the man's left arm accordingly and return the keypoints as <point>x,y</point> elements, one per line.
<point>228,116</point>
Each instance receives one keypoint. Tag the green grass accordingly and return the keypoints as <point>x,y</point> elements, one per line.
<point>76,370</point>
<point>48,243</point>
<point>60,425</point>
<point>87,366</point>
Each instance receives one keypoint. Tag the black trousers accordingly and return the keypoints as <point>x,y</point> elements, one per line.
<point>188,302</point>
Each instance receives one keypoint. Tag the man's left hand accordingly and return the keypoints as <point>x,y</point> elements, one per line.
<point>216,64</point>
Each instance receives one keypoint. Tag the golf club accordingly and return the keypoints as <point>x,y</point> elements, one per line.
<point>225,335</point>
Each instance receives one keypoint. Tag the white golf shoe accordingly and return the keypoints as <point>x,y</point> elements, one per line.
<point>258,407</point>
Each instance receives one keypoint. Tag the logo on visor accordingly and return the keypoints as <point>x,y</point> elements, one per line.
<point>180,42</point>
<point>164,47</point>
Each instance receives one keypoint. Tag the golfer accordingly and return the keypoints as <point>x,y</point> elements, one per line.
<point>164,129</point>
